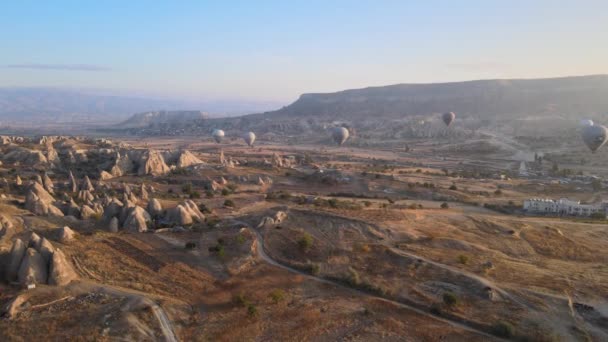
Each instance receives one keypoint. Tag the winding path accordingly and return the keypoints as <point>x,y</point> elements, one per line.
<point>264,256</point>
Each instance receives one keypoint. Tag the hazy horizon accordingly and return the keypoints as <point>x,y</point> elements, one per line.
<point>276,51</point>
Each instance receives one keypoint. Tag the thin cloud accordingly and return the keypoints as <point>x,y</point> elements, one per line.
<point>70,67</point>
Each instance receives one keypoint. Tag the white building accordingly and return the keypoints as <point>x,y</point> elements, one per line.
<point>563,207</point>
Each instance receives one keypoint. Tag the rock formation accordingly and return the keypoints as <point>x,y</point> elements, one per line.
<point>65,234</point>
<point>186,159</point>
<point>87,185</point>
<point>137,220</point>
<point>33,268</point>
<point>60,270</point>
<point>152,163</point>
<point>155,209</point>
<point>14,260</point>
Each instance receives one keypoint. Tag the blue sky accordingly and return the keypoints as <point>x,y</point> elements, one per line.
<point>276,50</point>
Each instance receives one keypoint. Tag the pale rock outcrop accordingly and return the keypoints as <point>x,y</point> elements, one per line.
<point>152,163</point>
<point>179,215</point>
<point>72,209</point>
<point>215,186</point>
<point>155,208</point>
<point>35,241</point>
<point>87,185</point>
<point>280,216</point>
<point>18,181</point>
<point>113,209</point>
<point>52,156</point>
<point>222,158</point>
<point>194,211</point>
<point>14,260</point>
<point>137,220</point>
<point>87,212</point>
<point>277,161</point>
<point>6,226</point>
<point>60,270</point>
<point>25,156</point>
<point>73,185</point>
<point>65,234</point>
<point>122,165</point>
<point>85,196</point>
<point>33,268</point>
<point>104,175</point>
<point>223,181</point>
<point>267,221</point>
<point>113,226</point>
<point>46,250</point>
<point>40,202</point>
<point>143,192</point>
<point>186,159</point>
<point>48,184</point>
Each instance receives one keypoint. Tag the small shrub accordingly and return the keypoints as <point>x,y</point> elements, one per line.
<point>353,277</point>
<point>453,187</point>
<point>203,208</point>
<point>444,205</point>
<point>450,299</point>
<point>503,329</point>
<point>305,242</point>
<point>190,245</point>
<point>187,188</point>
<point>277,295</point>
<point>463,259</point>
<point>195,195</point>
<point>252,310</point>
<point>229,203</point>
<point>435,310</point>
<point>367,203</point>
<point>209,194</point>
<point>241,299</point>
<point>498,192</point>
<point>314,269</point>
<point>225,192</point>
<point>241,239</point>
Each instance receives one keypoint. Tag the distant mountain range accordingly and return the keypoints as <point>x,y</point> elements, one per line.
<point>47,105</point>
<point>576,96</point>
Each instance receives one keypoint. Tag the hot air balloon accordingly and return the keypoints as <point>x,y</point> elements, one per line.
<point>595,136</point>
<point>340,135</point>
<point>448,118</point>
<point>249,138</point>
<point>218,135</point>
<point>586,122</point>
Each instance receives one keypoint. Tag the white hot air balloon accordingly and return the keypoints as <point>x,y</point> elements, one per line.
<point>340,135</point>
<point>218,135</point>
<point>585,123</point>
<point>448,118</point>
<point>249,138</point>
<point>595,136</point>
